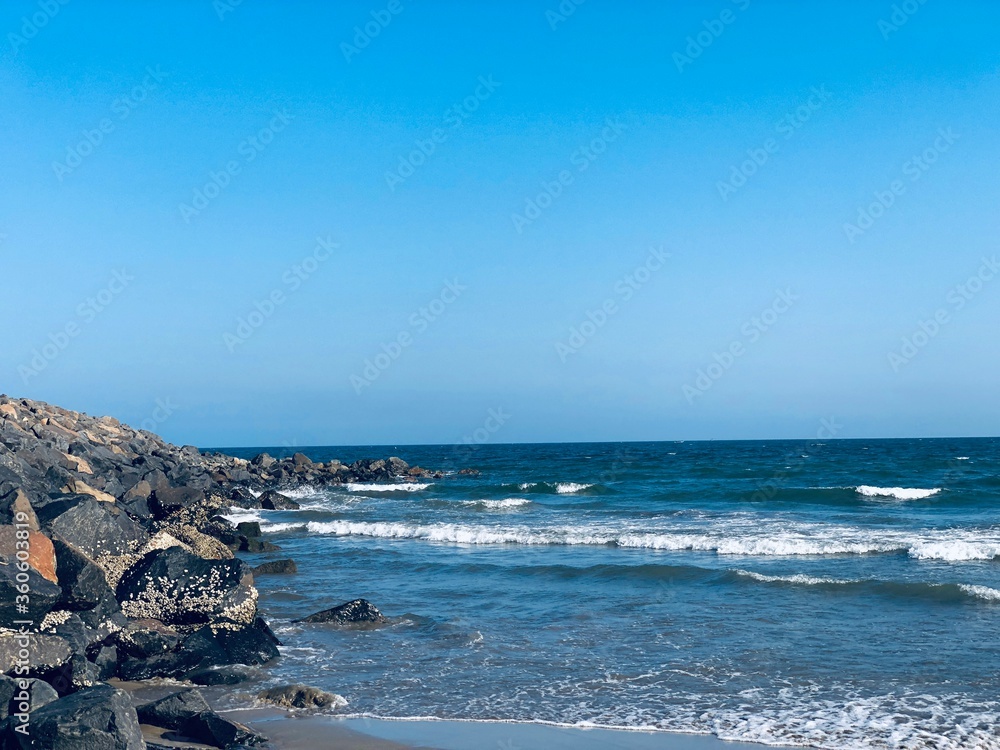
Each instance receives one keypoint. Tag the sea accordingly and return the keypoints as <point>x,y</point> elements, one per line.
<point>830,594</point>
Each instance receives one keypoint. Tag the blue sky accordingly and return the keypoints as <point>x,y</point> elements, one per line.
<point>610,221</point>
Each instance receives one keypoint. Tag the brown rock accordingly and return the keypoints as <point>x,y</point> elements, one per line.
<point>41,555</point>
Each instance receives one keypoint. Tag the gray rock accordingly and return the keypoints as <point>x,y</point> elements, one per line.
<point>174,710</point>
<point>95,718</point>
<point>97,528</point>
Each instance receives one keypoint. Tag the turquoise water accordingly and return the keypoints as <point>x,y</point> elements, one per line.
<point>840,594</point>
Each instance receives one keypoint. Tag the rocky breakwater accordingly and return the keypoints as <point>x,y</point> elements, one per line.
<point>116,565</point>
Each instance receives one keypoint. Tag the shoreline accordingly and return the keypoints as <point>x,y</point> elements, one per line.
<point>308,731</point>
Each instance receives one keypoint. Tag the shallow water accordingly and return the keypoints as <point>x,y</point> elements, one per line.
<point>839,594</point>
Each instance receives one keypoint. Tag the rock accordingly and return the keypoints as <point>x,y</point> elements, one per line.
<point>24,695</point>
<point>201,544</point>
<point>95,718</point>
<point>357,612</point>
<point>79,487</point>
<point>271,500</point>
<point>42,597</point>
<point>75,674</point>
<point>174,710</point>
<point>250,529</point>
<point>300,459</point>
<point>106,661</point>
<point>276,567</point>
<point>45,651</point>
<point>397,466</point>
<point>15,507</point>
<point>264,461</point>
<point>241,497</point>
<point>35,548</point>
<point>83,584</point>
<point>168,500</point>
<point>179,588</point>
<point>97,529</point>
<point>257,545</point>
<point>224,675</point>
<point>212,729</point>
<point>301,696</point>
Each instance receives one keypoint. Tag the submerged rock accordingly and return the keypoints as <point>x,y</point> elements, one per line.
<point>276,567</point>
<point>357,612</point>
<point>301,696</point>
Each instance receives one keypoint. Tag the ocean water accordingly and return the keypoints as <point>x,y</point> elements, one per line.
<point>838,594</point>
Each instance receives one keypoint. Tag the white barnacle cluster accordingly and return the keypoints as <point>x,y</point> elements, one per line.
<point>54,619</point>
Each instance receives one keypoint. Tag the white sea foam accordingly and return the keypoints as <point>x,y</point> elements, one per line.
<point>505,504</point>
<point>398,487</point>
<point>241,515</point>
<point>955,550</point>
<point>961,458</point>
<point>568,488</point>
<point>797,579</point>
<point>747,539</point>
<point>899,493</point>
<point>981,592</point>
<point>527,485</point>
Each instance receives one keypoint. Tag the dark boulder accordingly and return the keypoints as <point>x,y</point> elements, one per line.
<point>95,718</point>
<point>271,500</point>
<point>241,497</point>
<point>397,466</point>
<point>24,695</point>
<point>168,500</point>
<point>250,529</point>
<point>301,459</point>
<point>357,612</point>
<point>300,696</point>
<point>46,651</point>
<point>257,545</point>
<point>84,586</point>
<point>97,528</point>
<point>276,567</point>
<point>37,595</point>
<point>173,711</point>
<point>179,588</point>
<point>224,675</point>
<point>212,729</point>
